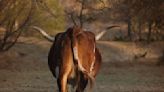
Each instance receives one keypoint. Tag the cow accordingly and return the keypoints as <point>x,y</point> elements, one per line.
<point>74,59</point>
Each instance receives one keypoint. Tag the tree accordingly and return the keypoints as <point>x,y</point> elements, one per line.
<point>14,17</point>
<point>142,12</point>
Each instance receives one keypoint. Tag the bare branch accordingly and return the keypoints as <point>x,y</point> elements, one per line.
<point>81,13</point>
<point>71,15</point>
<point>45,7</point>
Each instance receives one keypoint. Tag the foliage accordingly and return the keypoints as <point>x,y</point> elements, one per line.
<point>17,16</point>
<point>14,15</point>
<point>49,16</point>
<point>140,15</point>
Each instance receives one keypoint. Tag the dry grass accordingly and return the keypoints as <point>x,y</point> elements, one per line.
<point>24,68</point>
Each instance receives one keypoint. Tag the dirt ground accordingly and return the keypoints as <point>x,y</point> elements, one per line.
<point>24,68</point>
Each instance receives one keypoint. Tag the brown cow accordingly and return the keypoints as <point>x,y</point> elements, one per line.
<point>74,59</point>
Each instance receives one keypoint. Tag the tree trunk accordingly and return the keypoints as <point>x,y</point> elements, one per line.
<point>129,29</point>
<point>139,30</point>
<point>149,31</point>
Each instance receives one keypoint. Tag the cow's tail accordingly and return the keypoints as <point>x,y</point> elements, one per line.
<point>88,74</point>
<point>91,79</point>
<point>76,58</point>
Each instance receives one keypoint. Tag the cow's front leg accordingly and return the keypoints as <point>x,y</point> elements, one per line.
<point>59,84</point>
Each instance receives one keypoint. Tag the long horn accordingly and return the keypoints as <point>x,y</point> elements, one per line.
<point>99,35</point>
<point>51,39</point>
<point>48,37</point>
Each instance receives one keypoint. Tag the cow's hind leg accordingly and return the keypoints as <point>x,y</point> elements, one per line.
<point>82,83</point>
<point>62,80</point>
<point>62,83</point>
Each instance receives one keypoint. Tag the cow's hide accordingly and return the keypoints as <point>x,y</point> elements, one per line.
<point>74,59</point>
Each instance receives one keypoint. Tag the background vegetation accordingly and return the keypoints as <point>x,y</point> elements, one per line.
<point>143,19</point>
<point>17,17</point>
<point>132,47</point>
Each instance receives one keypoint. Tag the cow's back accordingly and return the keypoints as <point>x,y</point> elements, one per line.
<point>86,49</point>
